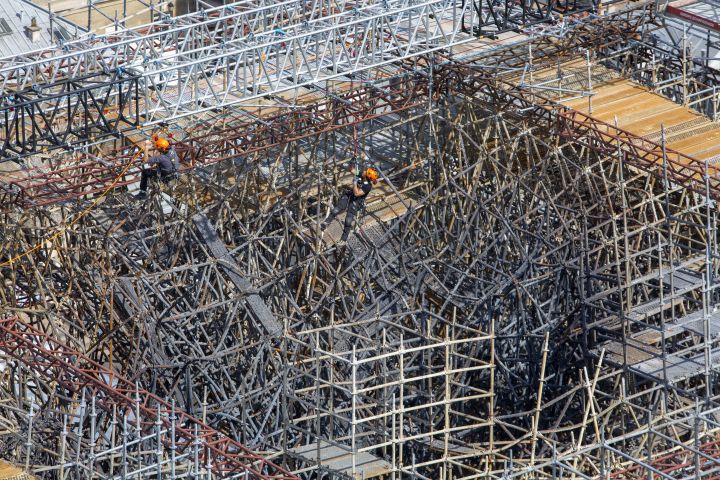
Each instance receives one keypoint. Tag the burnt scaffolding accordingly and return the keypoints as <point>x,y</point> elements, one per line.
<point>482,322</point>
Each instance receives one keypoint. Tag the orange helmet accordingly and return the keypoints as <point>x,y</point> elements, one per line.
<point>372,174</point>
<point>162,144</point>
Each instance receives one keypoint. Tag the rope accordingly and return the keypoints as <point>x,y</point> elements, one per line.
<point>77,218</point>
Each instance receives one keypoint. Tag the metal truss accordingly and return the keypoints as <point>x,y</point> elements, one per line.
<point>70,111</point>
<point>231,137</point>
<point>222,57</point>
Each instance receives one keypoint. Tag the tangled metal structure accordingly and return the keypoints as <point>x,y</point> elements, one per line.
<point>530,292</point>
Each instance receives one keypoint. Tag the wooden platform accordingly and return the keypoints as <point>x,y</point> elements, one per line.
<point>340,459</point>
<point>643,113</point>
<point>11,472</point>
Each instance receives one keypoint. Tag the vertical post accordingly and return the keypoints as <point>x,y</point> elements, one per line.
<point>696,438</point>
<point>173,446</point>
<point>63,447</point>
<point>196,452</point>
<point>448,393</point>
<point>137,408</point>
<point>401,422</point>
<point>684,66</point>
<point>530,62</point>
<point>430,108</point>
<point>124,454</point>
<point>158,445</point>
<point>653,71</point>
<point>50,19</point>
<point>536,418</point>
<point>113,433</point>
<point>491,407</point>
<point>626,302</point>
<point>208,463</point>
<point>394,439</point>
<point>318,395</point>
<point>590,85</point>
<point>285,389</point>
<point>93,426</point>
<point>353,427</point>
<point>28,443</point>
<point>603,460</point>
<point>661,275</point>
<point>707,285</point>
<point>80,423</point>
<point>671,247</point>
<point>204,406</point>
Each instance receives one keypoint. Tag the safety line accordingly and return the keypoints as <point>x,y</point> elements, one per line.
<point>76,219</point>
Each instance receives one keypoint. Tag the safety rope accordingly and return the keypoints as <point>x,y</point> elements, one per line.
<point>79,217</point>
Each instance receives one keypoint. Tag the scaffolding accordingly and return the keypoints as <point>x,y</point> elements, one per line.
<point>530,292</point>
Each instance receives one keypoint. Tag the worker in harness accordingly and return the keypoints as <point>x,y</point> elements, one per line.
<point>165,165</point>
<point>353,200</point>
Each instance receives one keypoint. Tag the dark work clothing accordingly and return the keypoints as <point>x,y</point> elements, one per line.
<point>351,203</point>
<point>147,174</point>
<point>365,186</point>
<point>166,169</point>
<point>165,162</point>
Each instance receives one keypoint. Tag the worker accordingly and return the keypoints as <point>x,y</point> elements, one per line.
<point>352,201</point>
<point>165,165</point>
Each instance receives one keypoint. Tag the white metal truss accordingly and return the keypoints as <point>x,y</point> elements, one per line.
<point>230,54</point>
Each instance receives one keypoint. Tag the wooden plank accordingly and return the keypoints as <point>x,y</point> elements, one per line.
<point>616,90</point>
<point>218,249</point>
<point>677,367</point>
<point>643,113</point>
<point>652,122</point>
<point>382,205</point>
<point>692,323</point>
<point>11,472</point>
<point>636,352</point>
<point>340,459</point>
<point>700,146</point>
<point>633,109</point>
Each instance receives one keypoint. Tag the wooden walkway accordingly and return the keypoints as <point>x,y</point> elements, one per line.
<point>382,205</point>
<point>644,113</point>
<point>340,459</point>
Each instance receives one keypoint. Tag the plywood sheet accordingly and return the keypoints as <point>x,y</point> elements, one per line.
<point>653,123</point>
<point>617,90</point>
<point>643,113</point>
<point>340,459</point>
<point>701,146</point>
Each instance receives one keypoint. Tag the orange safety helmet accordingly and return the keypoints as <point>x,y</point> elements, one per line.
<point>162,144</point>
<point>372,174</point>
